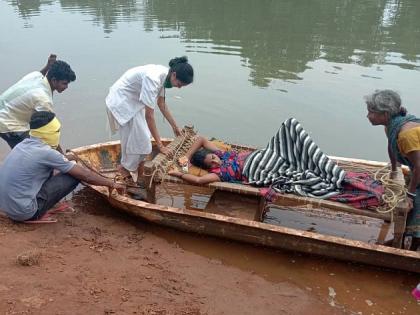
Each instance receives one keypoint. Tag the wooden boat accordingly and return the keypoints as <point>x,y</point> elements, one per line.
<point>248,225</point>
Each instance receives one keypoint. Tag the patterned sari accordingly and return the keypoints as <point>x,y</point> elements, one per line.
<point>232,164</point>
<point>393,129</point>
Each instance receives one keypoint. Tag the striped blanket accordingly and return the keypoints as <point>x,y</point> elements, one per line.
<point>293,163</point>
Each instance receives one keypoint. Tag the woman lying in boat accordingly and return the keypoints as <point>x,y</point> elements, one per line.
<point>221,165</point>
<point>403,133</point>
<point>291,162</point>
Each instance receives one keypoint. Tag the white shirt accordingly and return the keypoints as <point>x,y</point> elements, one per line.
<point>126,103</point>
<point>18,103</point>
<point>137,88</point>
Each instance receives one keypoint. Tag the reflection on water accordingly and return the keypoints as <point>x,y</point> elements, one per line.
<point>105,13</point>
<point>31,8</point>
<point>275,39</point>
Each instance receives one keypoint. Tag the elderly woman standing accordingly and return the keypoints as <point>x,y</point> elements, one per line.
<point>403,132</point>
<point>131,103</point>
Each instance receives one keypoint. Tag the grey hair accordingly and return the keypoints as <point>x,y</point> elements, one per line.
<point>384,101</point>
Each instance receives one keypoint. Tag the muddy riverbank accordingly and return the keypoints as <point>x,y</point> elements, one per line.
<point>97,261</point>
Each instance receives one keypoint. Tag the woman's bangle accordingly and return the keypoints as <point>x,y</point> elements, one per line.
<point>411,195</point>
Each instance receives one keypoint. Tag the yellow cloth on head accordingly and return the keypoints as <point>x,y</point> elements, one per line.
<point>409,140</point>
<point>50,133</point>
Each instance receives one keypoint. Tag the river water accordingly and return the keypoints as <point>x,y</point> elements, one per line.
<point>256,63</point>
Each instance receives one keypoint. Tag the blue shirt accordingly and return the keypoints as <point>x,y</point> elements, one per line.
<point>23,173</point>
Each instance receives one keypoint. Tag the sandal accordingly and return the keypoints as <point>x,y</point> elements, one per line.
<point>42,220</point>
<point>62,207</point>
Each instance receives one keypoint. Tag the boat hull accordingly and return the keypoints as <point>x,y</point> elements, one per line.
<point>105,156</point>
<point>259,233</point>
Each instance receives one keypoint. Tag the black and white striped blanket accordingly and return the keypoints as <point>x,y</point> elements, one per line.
<point>293,163</point>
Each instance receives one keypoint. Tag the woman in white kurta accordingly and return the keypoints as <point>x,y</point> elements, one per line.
<point>131,103</point>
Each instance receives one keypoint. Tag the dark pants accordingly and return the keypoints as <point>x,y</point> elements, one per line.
<point>53,190</point>
<point>13,138</point>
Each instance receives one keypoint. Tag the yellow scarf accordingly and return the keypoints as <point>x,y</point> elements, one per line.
<point>50,133</point>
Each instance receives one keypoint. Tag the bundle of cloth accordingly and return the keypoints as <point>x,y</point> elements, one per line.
<point>293,163</point>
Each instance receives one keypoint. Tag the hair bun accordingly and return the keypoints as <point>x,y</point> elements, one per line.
<point>178,60</point>
<point>403,111</point>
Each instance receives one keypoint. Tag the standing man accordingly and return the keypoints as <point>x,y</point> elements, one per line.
<point>32,93</point>
<point>28,186</point>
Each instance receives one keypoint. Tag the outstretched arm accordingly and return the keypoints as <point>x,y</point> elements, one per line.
<point>150,119</point>
<point>60,149</point>
<point>200,142</point>
<point>86,175</point>
<point>392,159</point>
<point>51,59</point>
<point>167,114</point>
<point>197,180</point>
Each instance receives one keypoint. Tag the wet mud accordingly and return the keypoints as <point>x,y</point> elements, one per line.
<point>99,261</point>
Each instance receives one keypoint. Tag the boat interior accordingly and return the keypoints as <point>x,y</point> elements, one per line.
<point>246,202</point>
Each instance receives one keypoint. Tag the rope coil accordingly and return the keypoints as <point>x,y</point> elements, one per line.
<point>394,190</point>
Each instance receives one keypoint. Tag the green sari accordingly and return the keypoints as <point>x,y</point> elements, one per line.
<point>393,129</point>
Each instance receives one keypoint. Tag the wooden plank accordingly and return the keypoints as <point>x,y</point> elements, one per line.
<point>321,203</point>
<point>383,233</point>
<point>259,216</point>
<point>378,164</point>
<point>400,221</point>
<point>96,146</point>
<point>400,214</point>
